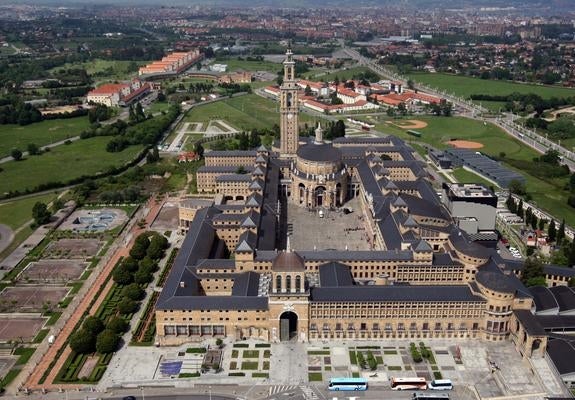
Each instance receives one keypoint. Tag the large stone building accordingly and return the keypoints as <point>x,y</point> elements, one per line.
<point>423,277</point>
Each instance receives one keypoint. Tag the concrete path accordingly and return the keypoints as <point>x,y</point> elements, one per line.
<point>289,364</point>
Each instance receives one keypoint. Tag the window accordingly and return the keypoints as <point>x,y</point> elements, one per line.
<point>278,283</point>
<point>288,283</point>
<point>298,283</point>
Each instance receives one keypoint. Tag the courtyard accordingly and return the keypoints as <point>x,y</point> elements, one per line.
<point>308,230</point>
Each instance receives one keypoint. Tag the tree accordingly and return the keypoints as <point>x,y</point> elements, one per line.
<point>83,342</point>
<point>138,251</point>
<point>517,187</point>
<point>552,231</point>
<point>533,272</point>
<point>130,264</point>
<point>410,84</point>
<point>155,250</point>
<point>561,232</point>
<point>33,149</point>
<point>534,221</point>
<point>571,255</point>
<point>402,109</point>
<point>122,276</point>
<point>134,292</point>
<point>107,342</point>
<point>308,91</point>
<point>520,212</point>
<point>118,325</point>
<point>93,325</point>
<point>390,112</point>
<point>41,214</point>
<point>16,154</point>
<point>127,306</point>
<point>339,129</point>
<point>199,150</point>
<point>542,223</point>
<point>143,277</point>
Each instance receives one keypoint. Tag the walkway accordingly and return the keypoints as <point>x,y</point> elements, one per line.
<point>33,382</point>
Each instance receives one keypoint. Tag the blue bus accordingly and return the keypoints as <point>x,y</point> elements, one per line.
<point>347,384</point>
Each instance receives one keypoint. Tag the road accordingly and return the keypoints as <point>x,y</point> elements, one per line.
<point>473,111</point>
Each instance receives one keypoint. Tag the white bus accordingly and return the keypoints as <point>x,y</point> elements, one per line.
<point>430,396</point>
<point>440,384</point>
<point>347,384</point>
<point>408,383</point>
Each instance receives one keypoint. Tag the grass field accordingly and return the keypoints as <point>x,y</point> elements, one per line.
<point>40,133</point>
<point>16,213</point>
<point>234,64</point>
<point>83,157</point>
<point>103,70</point>
<point>243,112</point>
<point>548,194</point>
<point>466,86</point>
<point>342,74</point>
<point>465,176</point>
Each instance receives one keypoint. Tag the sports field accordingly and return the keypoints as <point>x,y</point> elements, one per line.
<point>40,133</point>
<point>466,86</point>
<point>62,163</point>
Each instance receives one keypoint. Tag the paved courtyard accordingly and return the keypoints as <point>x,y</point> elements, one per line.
<point>336,230</point>
<point>469,364</point>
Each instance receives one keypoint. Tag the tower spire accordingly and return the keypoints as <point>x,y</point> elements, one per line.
<point>318,134</point>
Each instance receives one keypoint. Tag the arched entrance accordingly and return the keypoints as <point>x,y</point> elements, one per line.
<point>288,326</point>
<point>319,196</point>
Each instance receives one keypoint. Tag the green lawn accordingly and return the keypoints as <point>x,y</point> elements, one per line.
<point>63,163</point>
<point>234,64</point>
<point>40,133</point>
<point>104,69</point>
<point>465,176</point>
<point>157,107</point>
<point>466,86</point>
<point>15,213</point>
<point>342,74</point>
<point>243,112</point>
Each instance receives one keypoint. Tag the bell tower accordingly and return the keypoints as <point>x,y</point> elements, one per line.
<point>289,135</point>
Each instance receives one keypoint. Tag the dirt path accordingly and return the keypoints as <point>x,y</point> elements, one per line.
<point>43,365</point>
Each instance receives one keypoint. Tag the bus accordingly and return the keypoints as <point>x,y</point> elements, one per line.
<point>440,384</point>
<point>430,396</point>
<point>408,383</point>
<point>347,384</point>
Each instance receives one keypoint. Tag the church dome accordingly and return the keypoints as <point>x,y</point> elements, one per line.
<point>288,261</point>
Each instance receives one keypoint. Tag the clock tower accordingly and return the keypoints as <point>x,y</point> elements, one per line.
<point>289,109</point>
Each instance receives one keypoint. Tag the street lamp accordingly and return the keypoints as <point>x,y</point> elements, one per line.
<point>143,394</point>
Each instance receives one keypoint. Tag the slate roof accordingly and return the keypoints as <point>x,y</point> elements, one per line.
<point>403,293</point>
<point>529,322</point>
<point>324,152</point>
<point>246,284</point>
<point>543,298</point>
<point>224,168</point>
<point>335,274</point>
<point>460,241</point>
<point>494,281</point>
<point>234,178</point>
<point>565,297</point>
<point>562,354</point>
<point>231,153</point>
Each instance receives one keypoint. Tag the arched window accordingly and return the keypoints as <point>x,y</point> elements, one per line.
<point>298,283</point>
<point>278,283</point>
<point>288,283</point>
<point>288,100</point>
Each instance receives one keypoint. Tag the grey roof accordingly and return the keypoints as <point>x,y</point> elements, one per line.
<point>234,178</point>
<point>217,263</point>
<point>254,200</point>
<point>362,140</point>
<point>260,159</point>
<point>399,202</point>
<point>324,152</point>
<point>444,259</point>
<point>494,281</point>
<point>543,298</point>
<point>422,246</point>
<point>565,297</point>
<point>246,284</point>
<point>268,219</point>
<point>390,185</point>
<point>247,242</point>
<point>557,322</point>
<point>424,207</point>
<point>562,354</point>
<point>231,153</point>
<point>262,148</point>
<point>529,322</point>
<point>335,274</point>
<point>257,184</point>
<point>460,241</point>
<point>409,222</point>
<point>559,270</point>
<point>251,219</point>
<point>404,293</point>
<point>344,255</point>
<point>258,171</point>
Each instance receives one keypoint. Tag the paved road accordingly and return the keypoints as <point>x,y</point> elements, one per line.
<point>6,236</point>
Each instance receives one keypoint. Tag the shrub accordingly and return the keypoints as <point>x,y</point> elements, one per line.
<point>415,354</point>
<point>371,361</point>
<point>360,359</point>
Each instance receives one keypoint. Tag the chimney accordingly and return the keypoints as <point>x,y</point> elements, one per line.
<point>182,284</point>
